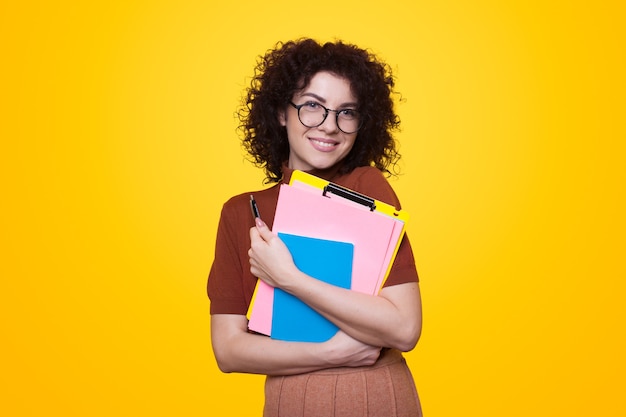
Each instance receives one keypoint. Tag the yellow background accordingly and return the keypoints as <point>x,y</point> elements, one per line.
<point>118,131</point>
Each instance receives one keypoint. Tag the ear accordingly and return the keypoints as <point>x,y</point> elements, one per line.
<point>282,117</point>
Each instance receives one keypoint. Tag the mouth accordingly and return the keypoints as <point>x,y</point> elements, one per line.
<point>324,145</point>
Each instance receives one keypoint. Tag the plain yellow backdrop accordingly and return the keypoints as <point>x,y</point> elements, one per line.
<point>119,148</point>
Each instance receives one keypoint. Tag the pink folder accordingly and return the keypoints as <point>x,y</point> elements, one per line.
<point>400,217</point>
<point>305,212</point>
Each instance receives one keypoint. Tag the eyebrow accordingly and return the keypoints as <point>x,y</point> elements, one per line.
<point>323,100</point>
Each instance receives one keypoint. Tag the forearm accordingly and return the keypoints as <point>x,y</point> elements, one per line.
<point>256,354</point>
<point>236,350</point>
<point>391,319</point>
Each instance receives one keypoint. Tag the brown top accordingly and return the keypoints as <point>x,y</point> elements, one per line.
<point>230,285</point>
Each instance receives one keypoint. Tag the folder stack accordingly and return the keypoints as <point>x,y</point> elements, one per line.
<point>334,234</point>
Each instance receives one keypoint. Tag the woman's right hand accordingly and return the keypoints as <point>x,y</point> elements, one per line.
<point>343,350</point>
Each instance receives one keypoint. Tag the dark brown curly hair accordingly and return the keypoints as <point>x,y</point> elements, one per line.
<point>288,68</point>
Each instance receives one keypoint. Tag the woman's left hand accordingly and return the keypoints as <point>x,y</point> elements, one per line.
<point>270,259</point>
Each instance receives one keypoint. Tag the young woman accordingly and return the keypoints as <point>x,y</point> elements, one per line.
<point>325,109</point>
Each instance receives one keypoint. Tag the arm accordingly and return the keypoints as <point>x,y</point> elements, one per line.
<point>391,319</point>
<point>236,350</point>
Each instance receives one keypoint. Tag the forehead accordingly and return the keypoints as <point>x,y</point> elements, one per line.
<point>328,85</point>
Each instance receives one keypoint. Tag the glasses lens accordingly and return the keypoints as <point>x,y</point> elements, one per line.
<point>311,114</point>
<point>348,120</point>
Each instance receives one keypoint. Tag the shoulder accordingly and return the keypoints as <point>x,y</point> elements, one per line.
<point>237,208</point>
<point>238,200</point>
<point>372,182</point>
<point>243,200</point>
<point>236,205</point>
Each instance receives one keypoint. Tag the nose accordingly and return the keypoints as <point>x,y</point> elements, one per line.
<point>330,124</point>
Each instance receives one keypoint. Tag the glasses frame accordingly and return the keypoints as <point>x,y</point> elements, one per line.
<point>326,111</point>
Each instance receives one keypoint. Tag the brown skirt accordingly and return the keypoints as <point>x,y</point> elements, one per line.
<point>385,389</point>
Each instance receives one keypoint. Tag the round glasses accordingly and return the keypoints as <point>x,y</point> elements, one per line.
<point>313,114</point>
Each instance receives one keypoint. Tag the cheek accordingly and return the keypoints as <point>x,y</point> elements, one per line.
<point>292,130</point>
<point>351,142</point>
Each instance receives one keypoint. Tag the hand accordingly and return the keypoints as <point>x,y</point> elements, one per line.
<point>270,259</point>
<point>343,350</point>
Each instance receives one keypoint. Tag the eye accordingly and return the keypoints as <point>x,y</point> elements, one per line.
<point>311,105</point>
<point>349,114</point>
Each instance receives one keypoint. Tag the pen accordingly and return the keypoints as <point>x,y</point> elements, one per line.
<point>253,206</point>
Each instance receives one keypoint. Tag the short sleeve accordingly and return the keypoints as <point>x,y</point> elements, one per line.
<point>371,181</point>
<point>224,289</point>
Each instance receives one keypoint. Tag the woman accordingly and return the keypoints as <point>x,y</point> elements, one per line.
<point>327,110</point>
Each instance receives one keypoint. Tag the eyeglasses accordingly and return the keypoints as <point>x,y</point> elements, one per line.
<point>313,114</point>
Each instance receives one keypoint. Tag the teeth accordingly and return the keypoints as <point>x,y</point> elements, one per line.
<point>324,144</point>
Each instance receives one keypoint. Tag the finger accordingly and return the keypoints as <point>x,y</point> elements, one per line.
<point>253,233</point>
<point>264,232</point>
<point>257,241</point>
<point>254,267</point>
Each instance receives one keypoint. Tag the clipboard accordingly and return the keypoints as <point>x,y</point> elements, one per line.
<point>312,207</point>
<point>329,189</point>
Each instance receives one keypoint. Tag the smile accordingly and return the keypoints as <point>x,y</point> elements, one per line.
<point>323,145</point>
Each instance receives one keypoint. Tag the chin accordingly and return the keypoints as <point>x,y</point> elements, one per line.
<point>317,163</point>
<point>323,166</point>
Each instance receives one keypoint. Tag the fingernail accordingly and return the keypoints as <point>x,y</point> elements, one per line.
<point>259,222</point>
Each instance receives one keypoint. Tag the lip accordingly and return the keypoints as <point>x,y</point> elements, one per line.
<point>323,144</point>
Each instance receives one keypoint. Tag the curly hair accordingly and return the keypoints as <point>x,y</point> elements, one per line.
<point>288,68</point>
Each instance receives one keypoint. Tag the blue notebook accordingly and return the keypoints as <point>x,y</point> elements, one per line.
<point>327,260</point>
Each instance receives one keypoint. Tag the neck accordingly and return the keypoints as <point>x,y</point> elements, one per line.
<point>328,174</point>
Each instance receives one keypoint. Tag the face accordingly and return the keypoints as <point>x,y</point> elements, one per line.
<point>323,146</point>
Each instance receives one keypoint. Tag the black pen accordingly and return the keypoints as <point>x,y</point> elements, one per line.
<point>255,209</point>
